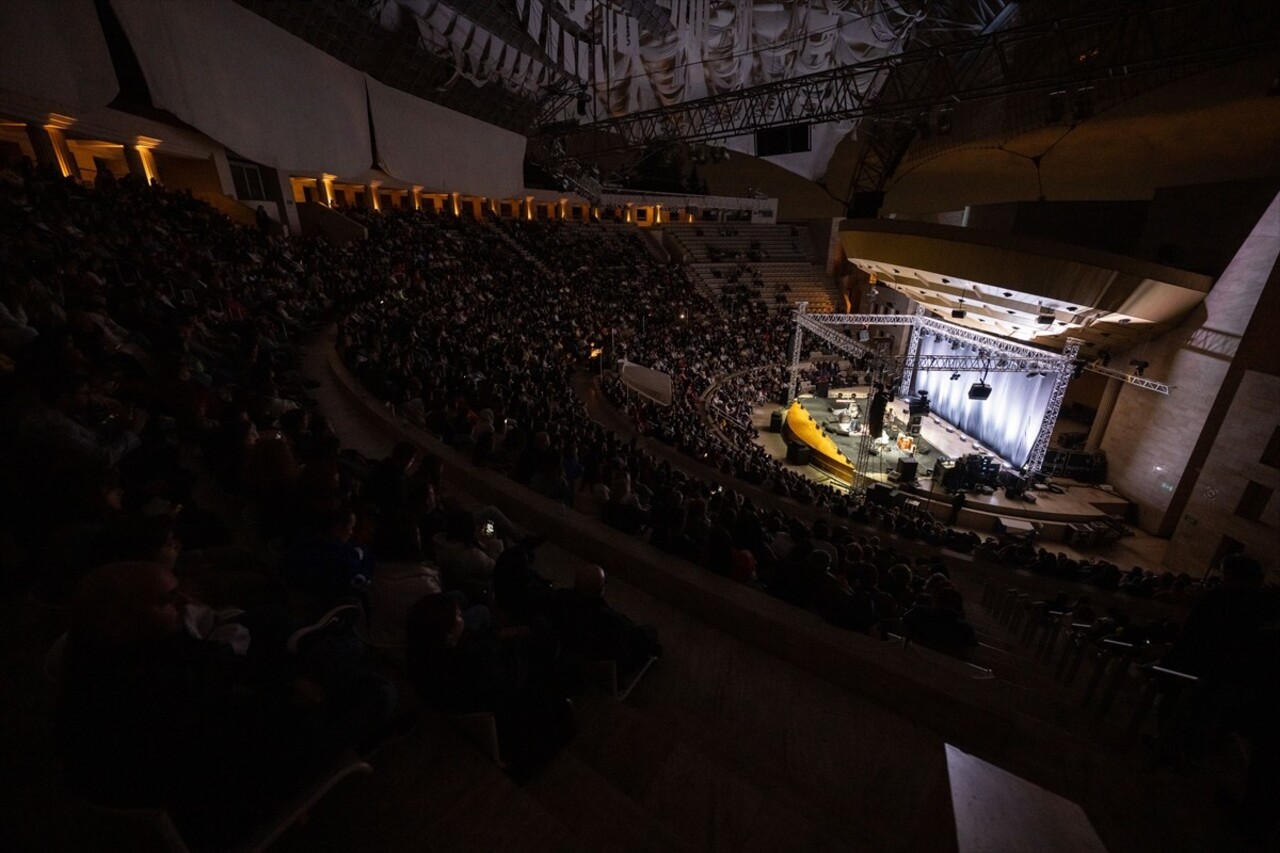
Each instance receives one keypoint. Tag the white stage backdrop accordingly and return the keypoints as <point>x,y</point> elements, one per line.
<point>1007,422</point>
<point>424,143</point>
<point>55,51</point>
<point>250,85</point>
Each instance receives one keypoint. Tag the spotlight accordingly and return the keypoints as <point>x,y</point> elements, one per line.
<point>1104,356</point>
<point>1003,362</point>
<point>1139,367</point>
<point>955,345</point>
<point>979,391</point>
<point>955,376</point>
<point>944,122</point>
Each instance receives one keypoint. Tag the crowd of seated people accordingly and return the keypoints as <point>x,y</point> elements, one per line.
<point>149,349</point>
<point>170,487</point>
<point>482,401</point>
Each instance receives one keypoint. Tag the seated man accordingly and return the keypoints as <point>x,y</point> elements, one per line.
<point>591,628</point>
<point>154,715</point>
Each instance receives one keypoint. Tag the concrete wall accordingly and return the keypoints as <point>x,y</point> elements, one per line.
<point>798,198</point>
<point>1200,227</point>
<point>1233,463</point>
<point>1152,438</point>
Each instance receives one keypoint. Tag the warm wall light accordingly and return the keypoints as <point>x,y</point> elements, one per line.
<point>326,181</point>
<point>148,163</point>
<point>59,122</point>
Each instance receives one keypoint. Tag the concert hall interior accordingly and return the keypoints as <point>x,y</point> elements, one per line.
<point>580,425</point>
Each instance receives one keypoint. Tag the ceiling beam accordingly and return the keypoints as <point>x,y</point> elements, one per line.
<point>1075,50</point>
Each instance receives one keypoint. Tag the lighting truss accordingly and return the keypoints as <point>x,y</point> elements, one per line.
<point>1132,379</point>
<point>1043,362</point>
<point>1035,459</point>
<point>1104,42</point>
<point>934,326</point>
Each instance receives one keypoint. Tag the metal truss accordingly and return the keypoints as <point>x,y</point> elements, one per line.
<point>913,353</point>
<point>1115,40</point>
<point>861,319</point>
<point>985,341</point>
<point>934,326</point>
<point>1035,459</point>
<point>793,381</point>
<point>1043,363</point>
<point>1132,379</point>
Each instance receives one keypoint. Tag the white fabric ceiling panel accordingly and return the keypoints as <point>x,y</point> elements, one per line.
<point>54,51</point>
<point>253,87</point>
<point>427,144</point>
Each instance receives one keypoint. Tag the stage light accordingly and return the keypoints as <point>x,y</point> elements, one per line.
<point>1139,367</point>
<point>1004,362</point>
<point>955,376</point>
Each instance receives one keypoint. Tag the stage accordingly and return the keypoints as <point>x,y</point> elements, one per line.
<point>1055,506</point>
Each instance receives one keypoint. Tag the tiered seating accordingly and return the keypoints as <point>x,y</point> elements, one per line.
<point>773,263</point>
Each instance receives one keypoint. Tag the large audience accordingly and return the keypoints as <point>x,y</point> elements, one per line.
<point>219,553</point>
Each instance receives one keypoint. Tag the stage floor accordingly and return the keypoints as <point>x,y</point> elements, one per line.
<point>1079,502</point>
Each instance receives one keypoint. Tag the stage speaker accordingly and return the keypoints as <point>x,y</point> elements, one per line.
<point>979,391</point>
<point>913,424</point>
<point>799,454</point>
<point>907,469</point>
<point>775,422</point>
<point>822,389</point>
<point>865,205</point>
<point>864,335</point>
<point>958,313</point>
<point>880,494</point>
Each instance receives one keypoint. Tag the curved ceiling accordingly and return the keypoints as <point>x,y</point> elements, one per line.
<point>1221,125</point>
<point>1023,288</point>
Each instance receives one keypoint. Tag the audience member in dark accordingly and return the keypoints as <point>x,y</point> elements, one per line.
<point>1229,642</point>
<point>153,715</point>
<point>941,624</point>
<point>519,591</point>
<point>511,674</point>
<point>326,563</point>
<point>595,631</point>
